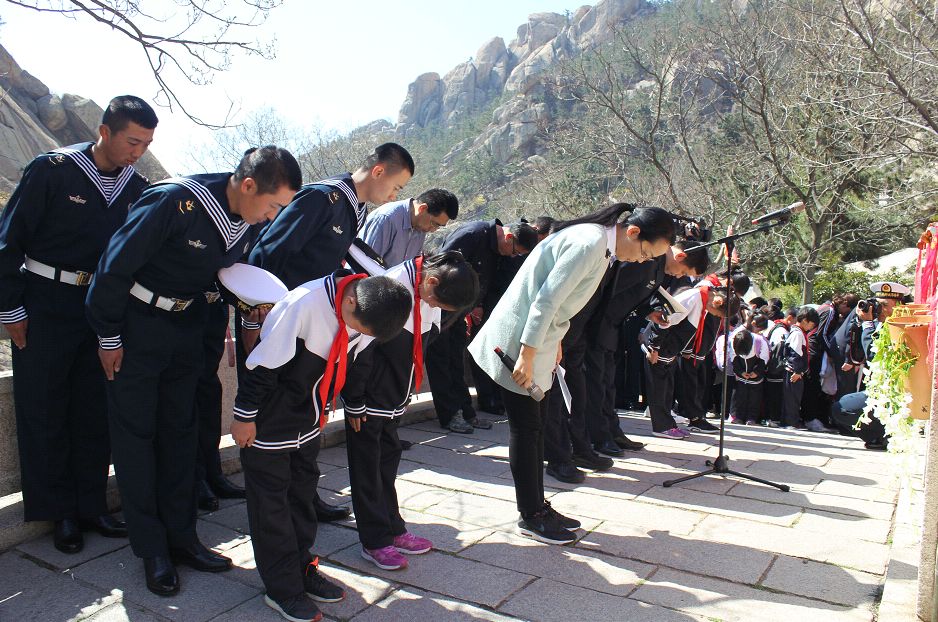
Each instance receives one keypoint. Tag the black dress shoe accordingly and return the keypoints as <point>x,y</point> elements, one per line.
<point>162,578</point>
<point>593,461</point>
<point>67,536</point>
<point>406,445</point>
<point>326,513</point>
<point>566,473</point>
<point>106,525</point>
<point>207,500</point>
<point>627,444</point>
<point>609,448</point>
<point>200,557</point>
<point>876,445</point>
<point>224,489</point>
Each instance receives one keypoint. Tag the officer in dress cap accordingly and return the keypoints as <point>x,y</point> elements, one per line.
<point>58,222</point>
<point>148,308</point>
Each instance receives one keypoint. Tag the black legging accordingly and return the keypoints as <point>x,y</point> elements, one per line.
<point>526,448</point>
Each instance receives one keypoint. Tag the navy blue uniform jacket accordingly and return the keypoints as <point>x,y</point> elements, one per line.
<point>310,237</point>
<point>59,215</point>
<point>174,242</point>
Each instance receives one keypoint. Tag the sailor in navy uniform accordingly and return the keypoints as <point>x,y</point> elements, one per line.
<point>310,238</point>
<point>58,222</point>
<point>148,308</point>
<point>279,413</point>
<point>377,392</point>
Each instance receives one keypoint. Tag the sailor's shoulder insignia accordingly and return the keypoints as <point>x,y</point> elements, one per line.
<point>334,196</point>
<point>55,159</point>
<point>184,206</point>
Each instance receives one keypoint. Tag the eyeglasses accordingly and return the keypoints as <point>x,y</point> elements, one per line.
<point>435,224</point>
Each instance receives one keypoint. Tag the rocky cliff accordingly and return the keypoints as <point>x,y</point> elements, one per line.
<point>512,73</point>
<point>34,120</point>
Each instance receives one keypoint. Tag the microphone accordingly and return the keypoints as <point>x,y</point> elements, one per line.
<point>781,214</point>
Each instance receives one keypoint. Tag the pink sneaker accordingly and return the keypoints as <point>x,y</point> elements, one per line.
<point>675,433</point>
<point>385,558</point>
<point>409,544</point>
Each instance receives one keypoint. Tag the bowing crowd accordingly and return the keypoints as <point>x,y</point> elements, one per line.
<point>116,293</point>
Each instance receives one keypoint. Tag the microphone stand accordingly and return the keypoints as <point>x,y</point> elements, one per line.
<point>720,465</point>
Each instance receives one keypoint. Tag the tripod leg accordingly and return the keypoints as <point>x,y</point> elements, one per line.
<point>686,478</point>
<point>782,487</point>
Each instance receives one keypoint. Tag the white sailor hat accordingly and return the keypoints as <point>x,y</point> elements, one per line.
<point>249,287</point>
<point>888,289</point>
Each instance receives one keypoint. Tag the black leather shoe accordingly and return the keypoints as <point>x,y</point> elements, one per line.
<point>106,525</point>
<point>593,461</point>
<point>207,500</point>
<point>627,444</point>
<point>224,489</point>
<point>609,448</point>
<point>67,536</point>
<point>326,513</point>
<point>162,578</point>
<point>200,557</point>
<point>876,445</point>
<point>566,473</point>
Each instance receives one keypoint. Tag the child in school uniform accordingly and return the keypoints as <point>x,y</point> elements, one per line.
<point>279,412</point>
<point>749,370</point>
<point>376,393</point>
<point>692,333</point>
<point>797,362</point>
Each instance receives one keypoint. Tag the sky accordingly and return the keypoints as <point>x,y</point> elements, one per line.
<point>336,67</point>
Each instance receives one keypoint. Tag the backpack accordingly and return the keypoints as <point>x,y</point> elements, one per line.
<point>776,365</point>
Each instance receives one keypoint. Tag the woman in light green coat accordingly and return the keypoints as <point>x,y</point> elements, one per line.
<point>531,318</point>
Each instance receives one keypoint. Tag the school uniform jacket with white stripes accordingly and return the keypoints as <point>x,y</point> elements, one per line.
<point>672,340</point>
<point>310,237</point>
<point>177,237</point>
<point>62,213</point>
<point>280,391</point>
<point>380,380</point>
<point>749,363</point>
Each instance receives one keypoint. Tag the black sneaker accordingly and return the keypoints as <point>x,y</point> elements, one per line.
<point>593,461</point>
<point>542,527</point>
<point>296,609</point>
<point>566,473</point>
<point>566,522</point>
<point>702,426</point>
<point>320,588</point>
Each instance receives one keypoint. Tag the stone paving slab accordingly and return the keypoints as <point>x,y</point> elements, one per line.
<point>603,573</point>
<point>846,526</point>
<point>549,601</point>
<point>485,486</point>
<point>202,596</point>
<point>122,612</point>
<point>454,461</point>
<point>447,534</point>
<point>95,546</point>
<point>449,575</point>
<point>859,554</point>
<point>477,510</point>
<point>817,501</point>
<point>822,581</point>
<point>29,592</point>
<point>634,513</point>
<point>852,491</point>
<point>411,605</point>
<point>731,602</point>
<point>726,505</point>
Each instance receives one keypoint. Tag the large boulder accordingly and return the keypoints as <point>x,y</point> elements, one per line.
<point>52,112</point>
<point>460,93</point>
<point>424,100</point>
<point>491,63</point>
<point>21,140</point>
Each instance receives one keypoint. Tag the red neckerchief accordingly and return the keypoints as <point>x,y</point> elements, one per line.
<point>418,334</point>
<point>704,298</point>
<point>338,353</point>
<point>713,280</point>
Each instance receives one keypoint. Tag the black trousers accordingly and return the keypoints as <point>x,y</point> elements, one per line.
<point>61,407</point>
<point>374,454</point>
<point>696,389</point>
<point>791,401</point>
<point>747,401</point>
<point>281,514</point>
<point>660,395</point>
<point>630,364</point>
<point>845,413</point>
<point>565,433</point>
<point>774,396</point>
<point>526,448</point>
<point>153,427</point>
<point>446,373</point>
<point>601,419</point>
<point>847,382</point>
<point>208,394</point>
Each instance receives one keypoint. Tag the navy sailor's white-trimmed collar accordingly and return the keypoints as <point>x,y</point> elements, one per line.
<point>229,231</point>
<point>89,168</point>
